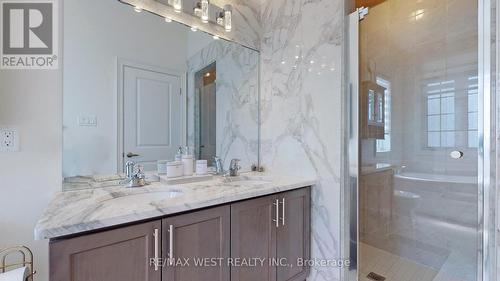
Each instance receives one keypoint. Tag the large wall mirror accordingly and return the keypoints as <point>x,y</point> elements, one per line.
<point>137,88</point>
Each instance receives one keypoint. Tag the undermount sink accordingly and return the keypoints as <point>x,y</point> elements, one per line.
<point>247,180</point>
<point>150,196</point>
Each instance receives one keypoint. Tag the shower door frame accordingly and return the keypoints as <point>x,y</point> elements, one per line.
<point>488,60</point>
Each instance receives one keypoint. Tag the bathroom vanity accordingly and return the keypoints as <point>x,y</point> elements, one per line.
<point>249,228</point>
<point>150,102</point>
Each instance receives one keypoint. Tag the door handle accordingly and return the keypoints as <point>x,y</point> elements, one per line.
<point>277,219</point>
<point>156,237</point>
<point>171,244</point>
<point>130,155</point>
<point>283,212</point>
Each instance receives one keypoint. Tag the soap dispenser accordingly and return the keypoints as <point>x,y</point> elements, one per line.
<point>178,155</point>
<point>188,162</point>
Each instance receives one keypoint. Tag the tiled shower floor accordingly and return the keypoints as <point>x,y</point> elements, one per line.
<point>396,268</point>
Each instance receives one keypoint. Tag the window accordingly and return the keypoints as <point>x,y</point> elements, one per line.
<point>385,144</point>
<point>440,114</point>
<point>472,110</point>
<point>452,111</point>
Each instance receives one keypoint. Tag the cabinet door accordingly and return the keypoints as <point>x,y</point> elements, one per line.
<point>116,255</point>
<point>293,235</point>
<point>253,235</point>
<point>194,237</point>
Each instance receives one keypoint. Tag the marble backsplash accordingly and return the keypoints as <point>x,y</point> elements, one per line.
<point>301,95</point>
<point>237,103</point>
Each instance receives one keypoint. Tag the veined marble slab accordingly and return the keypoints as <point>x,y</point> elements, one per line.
<point>79,211</point>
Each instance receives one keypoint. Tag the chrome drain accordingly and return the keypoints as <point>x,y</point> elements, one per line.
<point>375,277</point>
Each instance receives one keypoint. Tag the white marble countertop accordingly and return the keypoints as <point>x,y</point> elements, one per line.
<point>73,212</point>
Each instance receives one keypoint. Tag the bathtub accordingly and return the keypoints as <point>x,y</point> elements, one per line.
<point>449,198</point>
<point>425,177</point>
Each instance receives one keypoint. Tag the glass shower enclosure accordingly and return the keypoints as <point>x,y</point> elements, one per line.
<point>419,141</point>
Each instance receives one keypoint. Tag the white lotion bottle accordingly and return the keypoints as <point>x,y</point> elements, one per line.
<point>188,163</point>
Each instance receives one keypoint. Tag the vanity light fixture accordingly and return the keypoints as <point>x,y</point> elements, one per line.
<point>228,21</point>
<point>177,4</point>
<point>204,10</point>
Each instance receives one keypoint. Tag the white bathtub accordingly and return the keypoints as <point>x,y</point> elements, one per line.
<point>437,178</point>
<point>451,198</point>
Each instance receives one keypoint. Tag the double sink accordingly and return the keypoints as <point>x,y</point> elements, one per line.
<point>178,190</point>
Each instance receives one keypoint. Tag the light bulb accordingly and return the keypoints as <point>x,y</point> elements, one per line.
<point>216,37</point>
<point>168,19</point>
<point>228,24</point>
<point>204,10</point>
<point>194,28</point>
<point>137,9</point>
<point>177,5</point>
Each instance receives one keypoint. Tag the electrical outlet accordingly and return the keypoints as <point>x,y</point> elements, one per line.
<point>9,140</point>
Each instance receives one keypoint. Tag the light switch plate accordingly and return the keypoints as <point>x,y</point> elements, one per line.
<point>9,140</point>
<point>87,121</point>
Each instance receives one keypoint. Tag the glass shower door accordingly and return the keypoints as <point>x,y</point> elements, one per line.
<point>419,106</point>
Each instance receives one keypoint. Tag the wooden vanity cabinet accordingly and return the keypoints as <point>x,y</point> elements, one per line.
<point>271,228</point>
<point>293,236</point>
<point>121,254</point>
<point>193,237</point>
<point>253,235</point>
<point>275,228</point>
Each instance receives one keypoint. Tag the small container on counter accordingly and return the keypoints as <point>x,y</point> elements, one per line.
<point>175,169</point>
<point>188,163</point>
<point>201,167</point>
<point>178,155</point>
<point>162,167</point>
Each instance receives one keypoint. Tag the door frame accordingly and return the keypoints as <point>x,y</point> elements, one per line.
<point>121,63</point>
<point>488,62</point>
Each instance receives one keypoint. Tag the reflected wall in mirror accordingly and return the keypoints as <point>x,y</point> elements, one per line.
<point>138,88</point>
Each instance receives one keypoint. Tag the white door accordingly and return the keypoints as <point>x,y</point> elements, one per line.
<point>152,119</point>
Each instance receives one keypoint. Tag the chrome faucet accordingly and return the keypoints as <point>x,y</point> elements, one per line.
<point>234,168</point>
<point>219,168</point>
<point>134,178</point>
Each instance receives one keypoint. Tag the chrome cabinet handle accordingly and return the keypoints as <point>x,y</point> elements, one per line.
<point>171,244</point>
<point>156,237</point>
<point>277,219</point>
<point>283,212</point>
